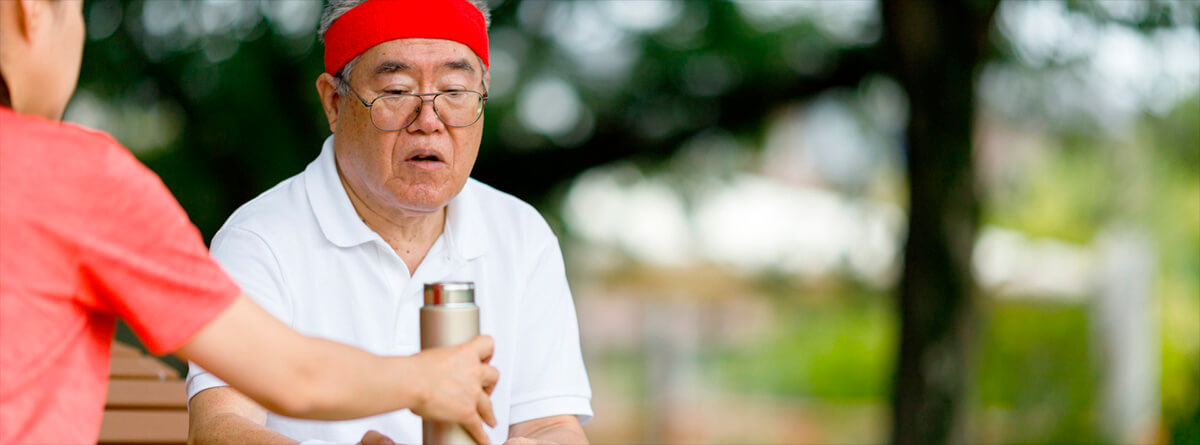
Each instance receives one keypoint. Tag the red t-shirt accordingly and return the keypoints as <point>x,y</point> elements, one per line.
<point>87,234</point>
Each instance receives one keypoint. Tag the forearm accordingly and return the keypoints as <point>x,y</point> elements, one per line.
<point>560,434</point>
<point>564,430</point>
<point>299,376</point>
<point>344,383</point>
<point>221,414</point>
<point>233,429</point>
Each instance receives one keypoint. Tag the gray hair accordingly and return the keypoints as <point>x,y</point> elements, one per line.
<point>334,10</point>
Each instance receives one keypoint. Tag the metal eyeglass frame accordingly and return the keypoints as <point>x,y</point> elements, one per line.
<point>483,97</point>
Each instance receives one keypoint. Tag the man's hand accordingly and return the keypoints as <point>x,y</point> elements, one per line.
<point>459,383</point>
<point>375,438</point>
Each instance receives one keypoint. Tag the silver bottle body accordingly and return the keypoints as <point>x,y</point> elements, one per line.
<point>449,317</point>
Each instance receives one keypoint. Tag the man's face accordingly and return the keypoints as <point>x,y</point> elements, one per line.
<point>418,169</point>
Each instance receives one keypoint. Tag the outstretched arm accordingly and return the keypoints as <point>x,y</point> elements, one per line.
<point>306,377</point>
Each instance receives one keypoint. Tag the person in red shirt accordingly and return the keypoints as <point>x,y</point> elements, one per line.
<point>88,234</point>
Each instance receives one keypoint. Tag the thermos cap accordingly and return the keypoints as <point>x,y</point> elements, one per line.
<point>449,292</point>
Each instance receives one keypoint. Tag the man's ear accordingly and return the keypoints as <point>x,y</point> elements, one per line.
<point>330,99</point>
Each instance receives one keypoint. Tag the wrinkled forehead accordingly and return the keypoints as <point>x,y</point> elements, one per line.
<point>420,57</point>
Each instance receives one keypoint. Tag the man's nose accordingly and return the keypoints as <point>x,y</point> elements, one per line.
<point>426,121</point>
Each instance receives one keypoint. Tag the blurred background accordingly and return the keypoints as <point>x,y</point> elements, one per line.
<point>734,182</point>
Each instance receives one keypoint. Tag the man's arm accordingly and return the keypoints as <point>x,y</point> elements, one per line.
<point>223,415</point>
<point>306,377</point>
<point>561,430</point>
<point>549,382</point>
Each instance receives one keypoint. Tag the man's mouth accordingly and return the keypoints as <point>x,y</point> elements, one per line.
<point>424,157</point>
<point>425,161</point>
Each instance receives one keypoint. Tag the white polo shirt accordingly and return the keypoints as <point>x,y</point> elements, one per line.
<point>303,254</point>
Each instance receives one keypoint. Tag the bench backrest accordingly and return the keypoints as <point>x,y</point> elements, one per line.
<point>147,402</point>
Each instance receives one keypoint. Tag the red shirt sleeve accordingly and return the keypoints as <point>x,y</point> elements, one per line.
<point>142,258</point>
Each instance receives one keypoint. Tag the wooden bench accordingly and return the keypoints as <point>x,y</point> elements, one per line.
<point>147,402</point>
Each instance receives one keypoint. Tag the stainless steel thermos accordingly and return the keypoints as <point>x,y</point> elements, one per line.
<point>449,317</point>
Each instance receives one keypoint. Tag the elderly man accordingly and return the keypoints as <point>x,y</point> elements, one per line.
<point>342,250</point>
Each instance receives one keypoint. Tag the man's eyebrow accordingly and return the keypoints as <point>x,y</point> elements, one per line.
<point>391,66</point>
<point>460,64</point>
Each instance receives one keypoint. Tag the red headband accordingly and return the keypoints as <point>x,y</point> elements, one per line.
<point>378,21</point>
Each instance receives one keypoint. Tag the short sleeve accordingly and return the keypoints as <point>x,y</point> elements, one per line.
<point>252,263</point>
<point>142,258</point>
<point>549,375</point>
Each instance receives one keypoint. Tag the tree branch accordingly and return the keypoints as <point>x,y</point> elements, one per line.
<point>744,107</point>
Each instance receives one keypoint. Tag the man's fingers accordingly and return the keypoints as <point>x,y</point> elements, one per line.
<point>485,410</point>
<point>475,429</point>
<point>483,345</point>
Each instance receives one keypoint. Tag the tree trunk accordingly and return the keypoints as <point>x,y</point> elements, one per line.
<point>936,48</point>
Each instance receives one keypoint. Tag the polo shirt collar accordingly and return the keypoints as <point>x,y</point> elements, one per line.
<point>341,225</point>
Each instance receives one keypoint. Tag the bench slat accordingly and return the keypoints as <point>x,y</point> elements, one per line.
<point>123,350</point>
<point>143,393</point>
<point>144,426</point>
<point>143,367</point>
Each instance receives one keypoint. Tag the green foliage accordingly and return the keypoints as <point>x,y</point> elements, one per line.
<point>1177,134</point>
<point>1080,184</point>
<point>1173,216</point>
<point>1034,362</point>
<point>1065,197</point>
<point>837,353</point>
<point>1181,382</point>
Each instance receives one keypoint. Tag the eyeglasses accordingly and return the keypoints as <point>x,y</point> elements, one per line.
<point>396,111</point>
